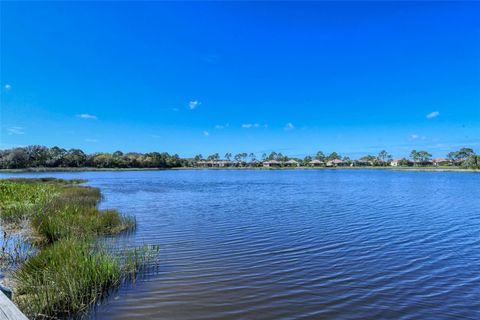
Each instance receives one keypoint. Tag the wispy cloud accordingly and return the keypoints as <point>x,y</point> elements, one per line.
<point>289,126</point>
<point>205,133</point>
<point>433,114</point>
<point>415,136</point>
<point>15,130</point>
<point>91,140</point>
<point>175,109</point>
<point>250,125</point>
<point>7,87</point>
<point>222,126</point>
<point>87,116</point>
<point>253,125</point>
<point>193,104</point>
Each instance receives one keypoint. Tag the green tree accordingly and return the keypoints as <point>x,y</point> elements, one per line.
<point>420,156</point>
<point>214,157</point>
<point>55,156</point>
<point>462,154</point>
<point>74,158</point>
<point>383,156</point>
<point>472,162</point>
<point>272,156</point>
<point>368,158</point>
<point>320,156</point>
<point>424,156</point>
<point>414,156</point>
<point>333,156</point>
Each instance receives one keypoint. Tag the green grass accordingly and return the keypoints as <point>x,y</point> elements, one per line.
<point>70,270</point>
<point>58,209</point>
<point>66,278</point>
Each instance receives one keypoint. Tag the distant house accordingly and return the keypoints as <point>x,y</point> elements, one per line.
<point>254,163</point>
<point>201,163</point>
<point>441,162</point>
<point>272,163</point>
<point>213,163</point>
<point>335,162</point>
<point>292,163</point>
<point>425,163</point>
<point>396,162</point>
<point>401,162</point>
<point>222,163</point>
<point>361,163</point>
<point>379,162</point>
<point>316,163</point>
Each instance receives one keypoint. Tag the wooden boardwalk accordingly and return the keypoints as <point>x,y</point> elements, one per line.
<point>8,310</point>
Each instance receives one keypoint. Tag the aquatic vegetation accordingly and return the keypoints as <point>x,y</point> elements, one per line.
<point>70,270</point>
<point>65,278</point>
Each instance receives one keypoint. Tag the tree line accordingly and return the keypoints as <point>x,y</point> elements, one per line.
<point>41,156</point>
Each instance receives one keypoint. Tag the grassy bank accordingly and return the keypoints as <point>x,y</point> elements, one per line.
<point>68,271</point>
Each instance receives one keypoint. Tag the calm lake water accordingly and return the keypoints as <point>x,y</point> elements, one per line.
<point>299,244</point>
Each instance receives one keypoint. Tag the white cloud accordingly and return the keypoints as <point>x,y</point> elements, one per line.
<point>193,104</point>
<point>91,140</point>
<point>205,133</point>
<point>175,109</point>
<point>289,126</point>
<point>87,116</point>
<point>15,130</point>
<point>7,87</point>
<point>222,126</point>
<point>433,114</point>
<point>251,125</point>
<point>415,136</point>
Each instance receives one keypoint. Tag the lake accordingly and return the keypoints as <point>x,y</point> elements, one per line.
<point>298,244</point>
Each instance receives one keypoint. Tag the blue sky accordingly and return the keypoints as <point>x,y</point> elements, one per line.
<point>191,78</point>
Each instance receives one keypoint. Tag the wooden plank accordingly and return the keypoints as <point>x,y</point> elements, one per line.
<point>8,310</point>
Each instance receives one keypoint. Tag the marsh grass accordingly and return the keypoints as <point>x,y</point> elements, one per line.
<point>58,209</point>
<point>78,220</point>
<point>70,270</point>
<point>66,278</point>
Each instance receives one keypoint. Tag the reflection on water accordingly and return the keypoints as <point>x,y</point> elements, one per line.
<point>349,244</point>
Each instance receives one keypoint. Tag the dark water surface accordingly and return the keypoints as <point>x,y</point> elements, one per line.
<point>299,244</point>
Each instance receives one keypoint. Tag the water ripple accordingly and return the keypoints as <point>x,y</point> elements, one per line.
<point>326,244</point>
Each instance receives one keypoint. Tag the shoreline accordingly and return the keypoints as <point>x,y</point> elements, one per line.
<point>92,169</point>
<point>54,246</point>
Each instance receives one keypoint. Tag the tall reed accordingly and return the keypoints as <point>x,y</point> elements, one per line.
<point>71,270</point>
